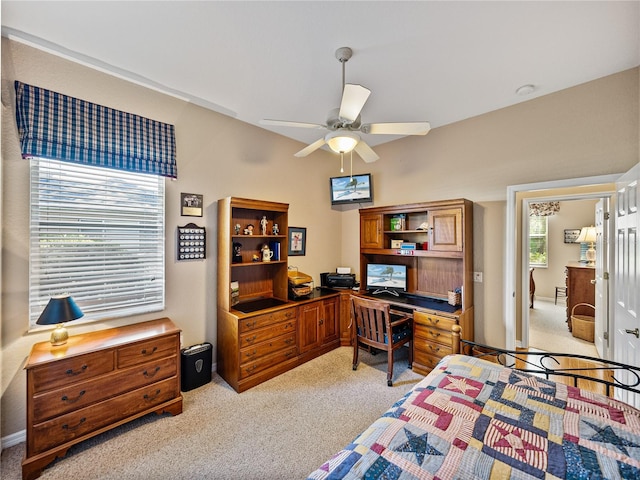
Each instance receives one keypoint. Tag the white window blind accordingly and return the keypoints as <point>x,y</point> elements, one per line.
<point>97,234</point>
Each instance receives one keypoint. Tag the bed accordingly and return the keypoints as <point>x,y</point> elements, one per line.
<point>501,416</point>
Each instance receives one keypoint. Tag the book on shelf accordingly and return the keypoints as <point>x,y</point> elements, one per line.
<point>275,248</point>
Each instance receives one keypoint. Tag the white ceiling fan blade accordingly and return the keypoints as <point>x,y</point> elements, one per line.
<point>365,151</point>
<point>406,128</point>
<point>310,148</point>
<point>353,99</point>
<point>286,123</point>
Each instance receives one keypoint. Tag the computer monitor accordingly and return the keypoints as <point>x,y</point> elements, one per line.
<point>386,278</point>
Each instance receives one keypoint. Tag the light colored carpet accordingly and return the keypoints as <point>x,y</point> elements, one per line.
<point>282,429</point>
<point>548,330</point>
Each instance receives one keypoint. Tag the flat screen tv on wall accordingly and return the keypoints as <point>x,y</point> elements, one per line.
<point>351,189</point>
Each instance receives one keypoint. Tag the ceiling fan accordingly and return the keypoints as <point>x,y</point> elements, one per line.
<point>344,123</point>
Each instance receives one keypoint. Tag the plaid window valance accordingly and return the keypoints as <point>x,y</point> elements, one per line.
<point>56,126</point>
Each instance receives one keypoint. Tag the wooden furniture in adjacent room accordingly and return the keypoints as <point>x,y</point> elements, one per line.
<point>95,382</point>
<point>261,333</point>
<point>580,289</point>
<point>375,326</point>
<point>441,262</point>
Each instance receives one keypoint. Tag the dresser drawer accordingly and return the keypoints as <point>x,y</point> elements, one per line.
<point>71,370</point>
<point>263,363</point>
<point>259,321</point>
<point>78,395</point>
<point>259,350</point>
<point>254,337</point>
<point>433,334</point>
<point>146,351</point>
<point>86,420</point>
<point>436,321</point>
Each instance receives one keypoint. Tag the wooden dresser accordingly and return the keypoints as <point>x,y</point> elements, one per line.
<point>95,382</point>
<point>580,289</point>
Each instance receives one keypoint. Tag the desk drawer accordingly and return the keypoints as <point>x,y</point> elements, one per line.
<point>254,352</point>
<point>435,321</point>
<point>432,348</point>
<point>254,337</point>
<point>424,359</point>
<point>432,334</point>
<point>248,369</point>
<point>259,321</point>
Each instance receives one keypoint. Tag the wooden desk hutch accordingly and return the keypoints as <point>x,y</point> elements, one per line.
<point>444,230</point>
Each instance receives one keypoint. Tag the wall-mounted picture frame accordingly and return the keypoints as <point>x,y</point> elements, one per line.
<point>571,235</point>
<point>297,241</point>
<point>191,204</point>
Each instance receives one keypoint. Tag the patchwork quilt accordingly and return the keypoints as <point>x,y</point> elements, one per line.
<point>472,419</point>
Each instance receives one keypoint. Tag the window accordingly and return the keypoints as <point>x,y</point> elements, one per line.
<point>97,234</point>
<point>538,241</point>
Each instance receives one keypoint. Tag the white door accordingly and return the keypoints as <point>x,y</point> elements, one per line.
<point>626,324</point>
<point>602,278</point>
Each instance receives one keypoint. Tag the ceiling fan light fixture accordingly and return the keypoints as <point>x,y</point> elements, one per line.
<point>342,142</point>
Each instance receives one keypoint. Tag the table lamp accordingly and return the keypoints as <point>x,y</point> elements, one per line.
<point>588,235</point>
<point>60,309</point>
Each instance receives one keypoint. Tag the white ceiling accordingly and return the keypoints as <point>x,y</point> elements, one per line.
<point>439,61</point>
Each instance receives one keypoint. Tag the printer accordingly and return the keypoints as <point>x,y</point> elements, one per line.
<point>338,280</point>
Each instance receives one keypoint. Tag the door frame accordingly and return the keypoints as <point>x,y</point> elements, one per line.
<point>511,250</point>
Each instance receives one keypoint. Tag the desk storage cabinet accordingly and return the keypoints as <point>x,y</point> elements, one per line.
<point>96,382</point>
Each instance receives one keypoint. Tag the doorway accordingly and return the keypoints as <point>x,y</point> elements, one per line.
<point>554,222</point>
<point>516,270</point>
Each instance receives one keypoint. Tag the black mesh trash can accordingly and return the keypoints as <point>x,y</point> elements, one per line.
<point>195,366</point>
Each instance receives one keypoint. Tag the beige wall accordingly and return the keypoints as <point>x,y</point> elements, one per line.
<point>587,130</point>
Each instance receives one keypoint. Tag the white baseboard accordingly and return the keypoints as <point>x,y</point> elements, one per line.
<point>14,439</point>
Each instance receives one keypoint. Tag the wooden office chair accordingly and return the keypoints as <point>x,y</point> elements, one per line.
<point>371,323</point>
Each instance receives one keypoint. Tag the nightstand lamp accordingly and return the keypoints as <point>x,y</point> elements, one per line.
<point>59,310</point>
<point>588,235</point>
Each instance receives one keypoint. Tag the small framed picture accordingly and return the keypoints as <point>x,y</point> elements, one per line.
<point>297,241</point>
<point>571,235</point>
<point>191,204</point>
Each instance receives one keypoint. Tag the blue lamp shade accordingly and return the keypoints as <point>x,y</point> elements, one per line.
<point>59,310</point>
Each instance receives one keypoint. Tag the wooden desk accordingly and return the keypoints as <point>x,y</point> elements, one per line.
<point>432,322</point>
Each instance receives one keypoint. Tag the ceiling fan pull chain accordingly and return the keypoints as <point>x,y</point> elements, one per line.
<point>351,174</point>
<point>341,162</point>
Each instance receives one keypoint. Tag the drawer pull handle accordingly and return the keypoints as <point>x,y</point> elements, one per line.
<point>150,375</point>
<point>434,321</point>
<point>150,398</point>
<point>288,341</point>
<point>288,354</point>
<point>69,400</point>
<point>436,349</point>
<point>145,352</point>
<point>250,369</point>
<point>250,339</point>
<point>77,372</point>
<point>250,324</point>
<point>435,334</point>
<point>67,427</point>
<point>288,325</point>
<point>251,354</point>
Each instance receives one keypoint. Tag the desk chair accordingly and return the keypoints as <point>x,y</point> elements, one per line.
<point>372,321</point>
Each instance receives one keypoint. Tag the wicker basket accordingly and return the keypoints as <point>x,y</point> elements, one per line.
<point>454,298</point>
<point>583,326</point>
